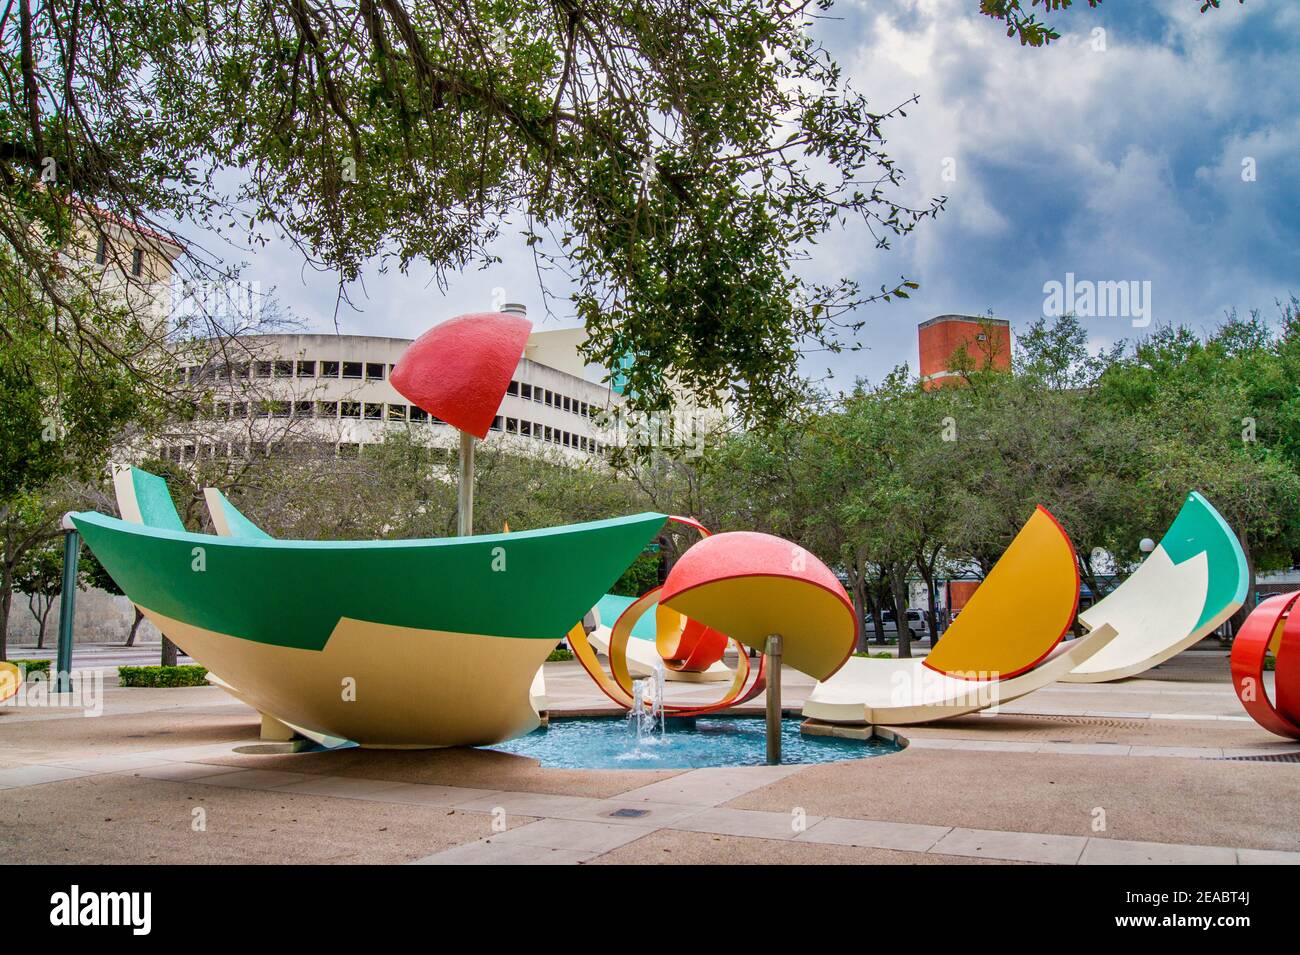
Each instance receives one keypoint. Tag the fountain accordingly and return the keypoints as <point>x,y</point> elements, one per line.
<point>647,712</point>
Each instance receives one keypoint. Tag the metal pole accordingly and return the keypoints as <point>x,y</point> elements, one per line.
<point>67,607</point>
<point>465,505</point>
<point>773,650</point>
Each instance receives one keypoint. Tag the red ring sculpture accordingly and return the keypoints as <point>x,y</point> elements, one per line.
<point>1271,626</point>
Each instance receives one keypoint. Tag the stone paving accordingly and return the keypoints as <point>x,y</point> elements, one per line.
<point>1158,770</point>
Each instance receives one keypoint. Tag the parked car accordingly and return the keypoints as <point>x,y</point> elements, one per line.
<point>917,622</point>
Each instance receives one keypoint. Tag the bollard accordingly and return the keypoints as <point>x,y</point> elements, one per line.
<point>772,648</point>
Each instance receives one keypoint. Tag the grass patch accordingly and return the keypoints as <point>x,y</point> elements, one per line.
<point>161,676</point>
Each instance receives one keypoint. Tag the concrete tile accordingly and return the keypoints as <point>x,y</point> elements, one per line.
<point>256,779</point>
<point>1124,852</point>
<point>189,753</point>
<point>492,852</point>
<point>709,787</point>
<point>16,777</point>
<point>573,835</point>
<point>875,835</point>
<point>421,794</point>
<point>343,787</point>
<point>525,804</point>
<point>180,772</point>
<point>977,745</point>
<point>1013,846</point>
<point>1085,749</point>
<point>1191,752</point>
<point>1267,857</point>
<point>109,764</point>
<point>650,815</point>
<point>744,822</point>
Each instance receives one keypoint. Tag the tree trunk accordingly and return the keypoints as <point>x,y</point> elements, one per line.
<point>135,625</point>
<point>44,620</point>
<point>6,601</point>
<point>33,604</point>
<point>168,653</point>
<point>926,570</point>
<point>898,584</point>
<point>877,624</point>
<point>859,600</point>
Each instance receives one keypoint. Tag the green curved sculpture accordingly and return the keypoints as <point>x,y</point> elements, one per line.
<point>387,643</point>
<point>1194,580</point>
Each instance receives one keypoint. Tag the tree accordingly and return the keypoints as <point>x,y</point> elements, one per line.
<point>676,159</point>
<point>40,577</point>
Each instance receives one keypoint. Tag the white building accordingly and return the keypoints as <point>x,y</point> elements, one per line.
<point>263,389</point>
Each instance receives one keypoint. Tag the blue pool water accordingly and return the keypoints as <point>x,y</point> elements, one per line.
<point>611,743</point>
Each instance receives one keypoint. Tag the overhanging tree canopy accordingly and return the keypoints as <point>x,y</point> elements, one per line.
<point>677,158</point>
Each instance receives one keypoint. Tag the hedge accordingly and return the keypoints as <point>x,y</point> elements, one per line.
<point>559,655</point>
<point>28,667</point>
<point>160,676</point>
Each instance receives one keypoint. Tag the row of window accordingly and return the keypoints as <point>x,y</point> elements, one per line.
<point>546,433</point>
<point>360,371</point>
<point>183,453</point>
<point>284,368</point>
<point>381,411</point>
<point>552,399</point>
<point>368,410</point>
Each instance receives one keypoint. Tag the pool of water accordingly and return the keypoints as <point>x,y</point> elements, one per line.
<point>611,743</point>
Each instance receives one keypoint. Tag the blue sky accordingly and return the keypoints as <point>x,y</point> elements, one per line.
<point>1115,157</point>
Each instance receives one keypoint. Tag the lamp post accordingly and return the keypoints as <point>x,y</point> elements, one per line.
<point>67,605</point>
<point>1146,545</point>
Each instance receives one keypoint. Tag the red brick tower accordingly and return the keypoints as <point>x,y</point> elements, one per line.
<point>987,342</point>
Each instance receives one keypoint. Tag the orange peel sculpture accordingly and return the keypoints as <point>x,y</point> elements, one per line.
<point>1272,626</point>
<point>750,585</point>
<point>684,643</point>
<point>738,587</point>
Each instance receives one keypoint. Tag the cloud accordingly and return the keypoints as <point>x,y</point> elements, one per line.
<point>1115,155</point>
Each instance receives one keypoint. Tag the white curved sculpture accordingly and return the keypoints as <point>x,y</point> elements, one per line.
<point>1194,580</point>
<point>896,692</point>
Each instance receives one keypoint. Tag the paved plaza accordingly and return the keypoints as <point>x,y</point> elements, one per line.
<point>1166,768</point>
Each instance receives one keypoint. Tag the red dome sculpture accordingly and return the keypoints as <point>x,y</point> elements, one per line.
<point>749,585</point>
<point>459,370</point>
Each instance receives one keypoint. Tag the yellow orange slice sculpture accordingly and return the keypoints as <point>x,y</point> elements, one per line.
<point>1021,610</point>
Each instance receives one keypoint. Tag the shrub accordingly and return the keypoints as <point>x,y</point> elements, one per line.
<point>559,655</point>
<point>27,667</point>
<point>160,676</point>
